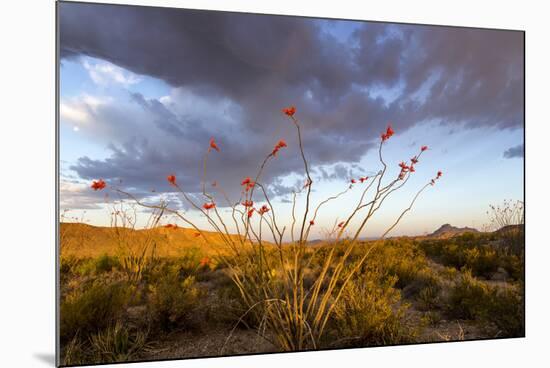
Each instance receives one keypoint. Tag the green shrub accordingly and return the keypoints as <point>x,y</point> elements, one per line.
<point>506,311</point>
<point>467,298</point>
<point>501,307</point>
<point>106,263</point>
<point>92,308</point>
<point>473,252</point>
<point>371,313</point>
<point>425,278</point>
<point>482,261</point>
<point>432,318</point>
<point>174,303</point>
<point>429,297</point>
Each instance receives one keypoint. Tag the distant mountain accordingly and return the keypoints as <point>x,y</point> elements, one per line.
<point>448,231</point>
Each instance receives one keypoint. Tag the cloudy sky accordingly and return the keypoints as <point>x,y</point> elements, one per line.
<point>143,90</point>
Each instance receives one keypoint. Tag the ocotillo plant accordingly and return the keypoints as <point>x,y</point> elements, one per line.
<point>270,274</point>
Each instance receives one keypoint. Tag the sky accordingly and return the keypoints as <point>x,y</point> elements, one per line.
<point>142,91</point>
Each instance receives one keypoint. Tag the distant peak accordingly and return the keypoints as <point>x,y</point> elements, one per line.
<point>448,230</point>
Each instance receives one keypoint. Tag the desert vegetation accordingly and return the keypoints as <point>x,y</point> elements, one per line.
<point>254,282</point>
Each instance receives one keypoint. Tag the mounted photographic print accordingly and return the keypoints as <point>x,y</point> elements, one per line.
<point>234,183</point>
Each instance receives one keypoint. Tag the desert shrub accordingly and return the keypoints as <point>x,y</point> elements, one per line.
<point>67,268</point>
<point>505,309</point>
<point>92,308</point>
<point>501,307</point>
<point>67,264</point>
<point>432,318</point>
<point>174,303</point>
<point>450,273</point>
<point>467,298</point>
<point>513,264</point>
<point>225,306</point>
<point>371,313</point>
<point>117,343</point>
<point>429,297</point>
<point>189,263</point>
<point>406,271</point>
<point>106,263</point>
<point>186,265</point>
<point>425,278</point>
<point>400,258</point>
<point>453,255</point>
<point>472,251</point>
<point>482,261</point>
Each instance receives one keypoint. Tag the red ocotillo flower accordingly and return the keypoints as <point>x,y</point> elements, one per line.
<point>248,183</point>
<point>263,209</point>
<point>281,143</point>
<point>248,203</point>
<point>249,186</point>
<point>341,224</point>
<point>423,148</point>
<point>404,169</point>
<point>439,174</point>
<point>411,169</point>
<point>168,226</point>
<point>213,145</point>
<point>311,223</point>
<point>388,133</point>
<point>353,181</point>
<point>278,146</point>
<point>363,179</point>
<point>171,179</point>
<point>250,212</point>
<point>414,160</point>
<point>98,184</point>
<point>208,206</point>
<point>290,111</point>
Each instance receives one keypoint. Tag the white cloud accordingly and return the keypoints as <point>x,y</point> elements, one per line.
<point>73,113</point>
<point>74,195</point>
<point>79,111</point>
<point>104,73</point>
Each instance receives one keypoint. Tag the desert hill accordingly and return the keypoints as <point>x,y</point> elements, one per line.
<point>83,240</point>
<point>448,231</point>
<point>510,228</point>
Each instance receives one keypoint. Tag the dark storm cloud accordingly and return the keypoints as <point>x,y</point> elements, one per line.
<point>513,152</point>
<point>261,63</point>
<point>167,120</point>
